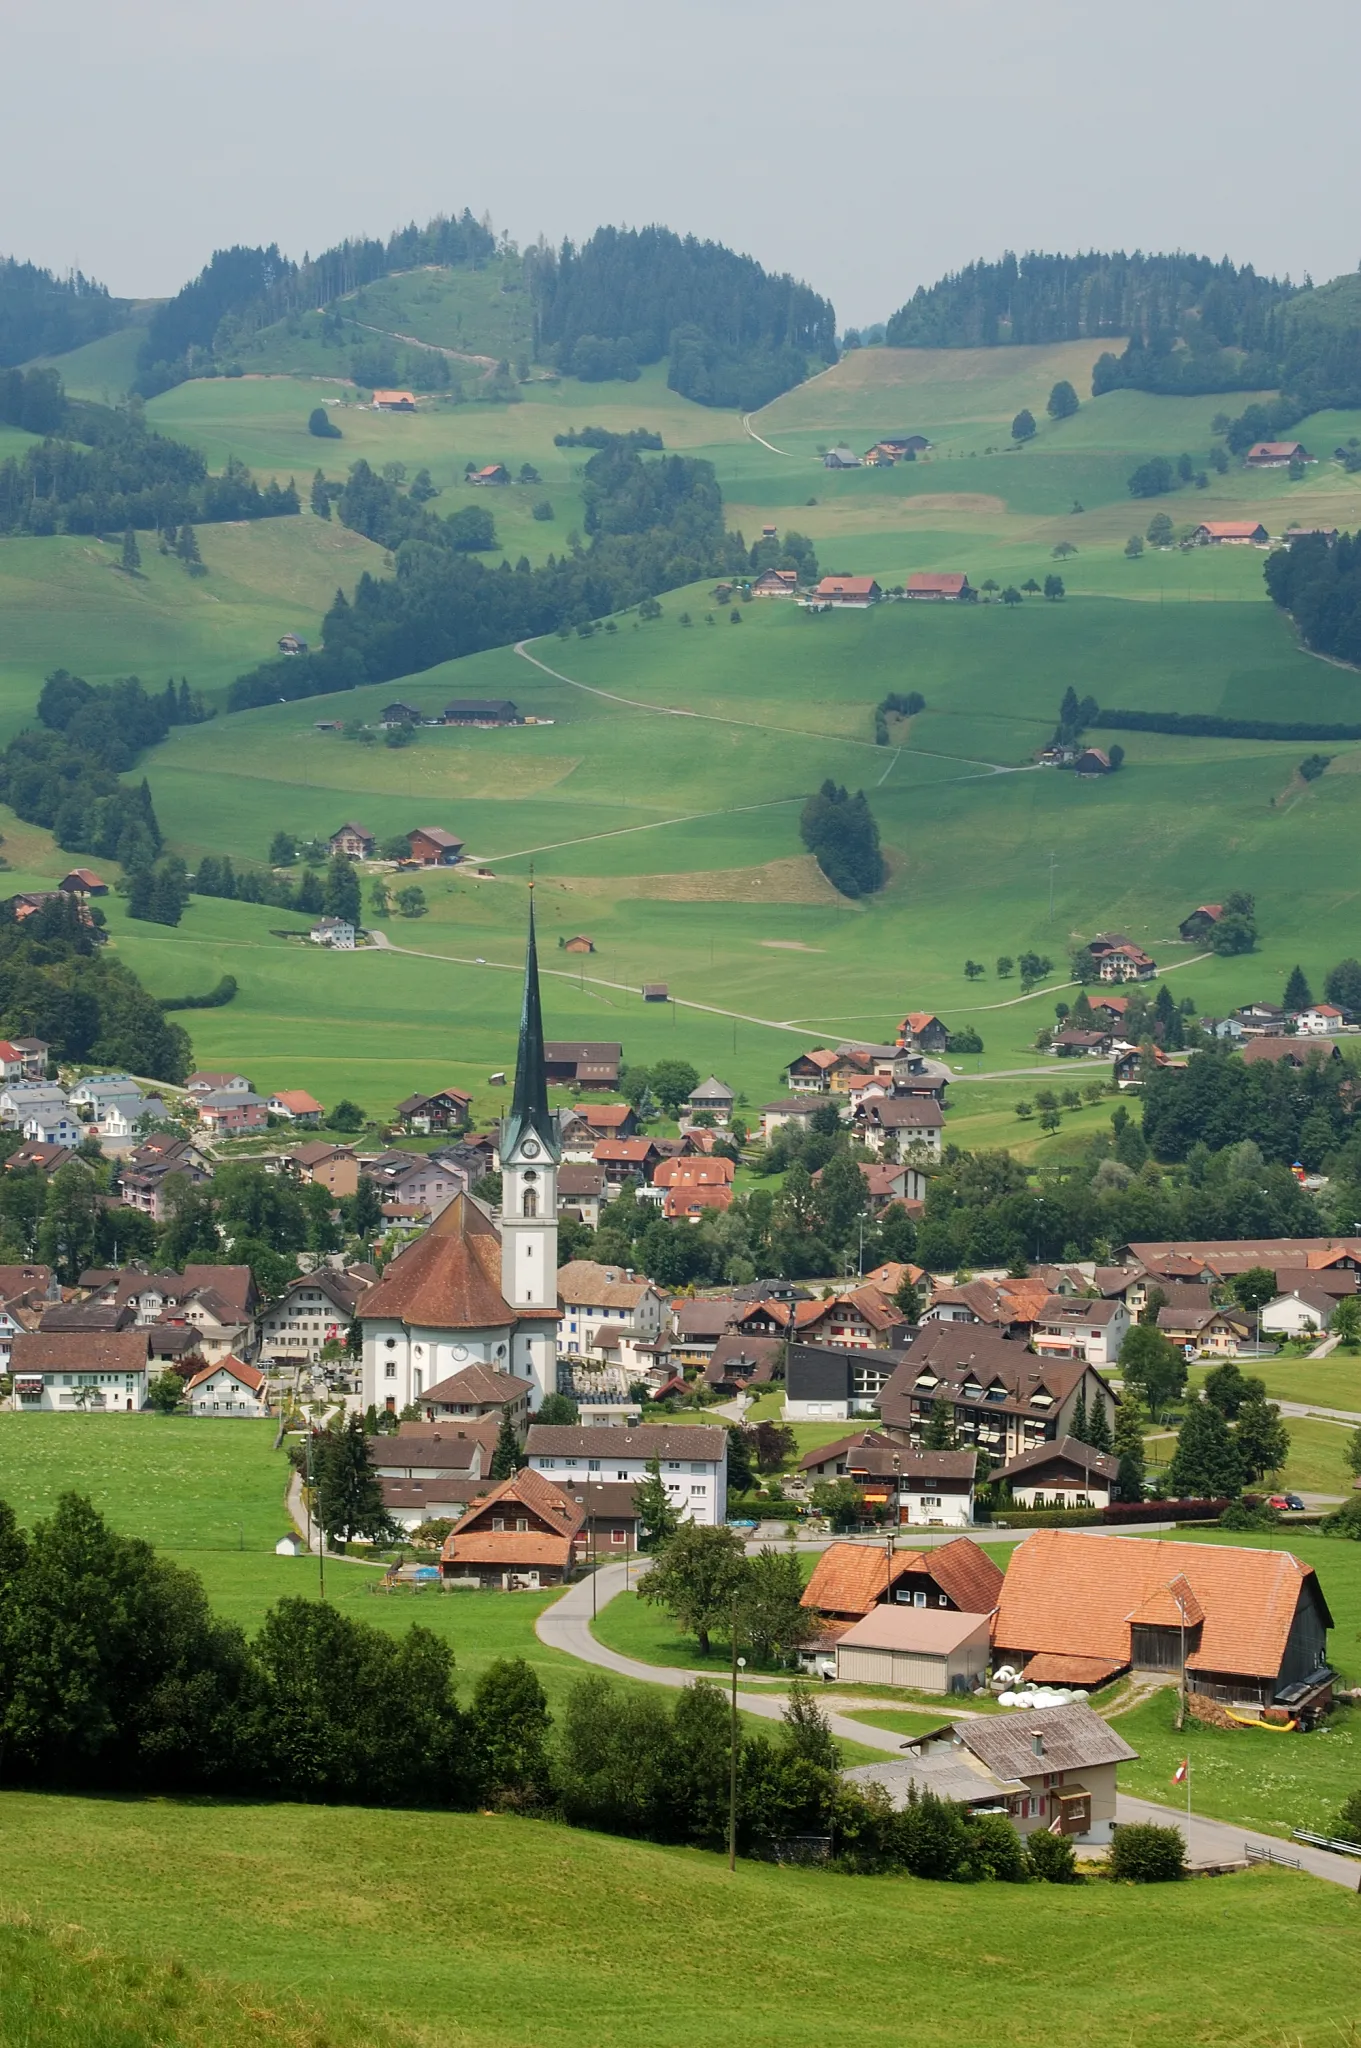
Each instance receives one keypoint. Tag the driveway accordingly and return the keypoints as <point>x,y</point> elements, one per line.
<point>566,1625</point>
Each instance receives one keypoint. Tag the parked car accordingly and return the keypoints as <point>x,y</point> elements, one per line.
<point>1285,1503</point>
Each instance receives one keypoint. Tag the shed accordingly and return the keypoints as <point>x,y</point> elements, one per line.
<point>289,1546</point>
<point>930,1648</point>
<point>656,992</point>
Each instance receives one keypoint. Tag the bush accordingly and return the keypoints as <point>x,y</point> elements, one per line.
<point>996,1850</point>
<point>322,425</point>
<point>1344,1521</point>
<point>1347,1826</point>
<point>1051,1858</point>
<point>1144,1854</point>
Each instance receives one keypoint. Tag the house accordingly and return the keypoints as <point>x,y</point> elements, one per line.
<point>433,847</point>
<point>854,592</point>
<point>83,882</point>
<point>852,1579</point>
<point>63,1132</point>
<point>656,992</point>
<point>1201,920</point>
<point>901,445</point>
<point>1251,1625</point>
<point>336,932</point>
<point>715,1096</point>
<point>693,1461</point>
<point>890,1183</point>
<point>692,1199</point>
<point>1064,1474</point>
<point>1092,761</point>
<point>416,1180</point>
<point>297,1106</point>
<point>351,842</point>
<point>490,473</point>
<point>1050,1769</point>
<point>933,1651</point>
<point>1320,1020</point>
<point>1240,533</point>
<point>480,711</point>
<point>809,1073</point>
<point>737,1361</point>
<point>228,1388</point>
<point>840,458</point>
<point>229,1115</point>
<point>477,1392</point>
<point>334,1167</point>
<point>40,1156</point>
<point>608,1120</point>
<point>924,1031</point>
<point>831,1383</point>
<point>522,1535</point>
<point>1305,1311</point>
<point>918,1489</point>
<point>896,1126</point>
<point>291,1545</point>
<point>313,1311</point>
<point>1295,1052</point>
<point>624,1160</point>
<point>581,1191</point>
<point>792,1109</point>
<point>776,583</point>
<point>104,1371</point>
<point>430,1470</point>
<point>698,1326</point>
<point>146,1173</point>
<point>1072,1043</point>
<point>448,1109</point>
<point>861,1320</point>
<point>1011,1306</point>
<point>1094,1330</point>
<point>1118,960</point>
<point>954,584</point>
<point>399,713</point>
<point>582,1063</point>
<point>578,943</point>
<point>394,401</point>
<point>591,1296</point>
<point>1327,534</point>
<point>612,1527</point>
<point>291,645</point>
<point>1001,1398</point>
<point>1276,454</point>
<point>1206,1332</point>
<point>206,1082</point>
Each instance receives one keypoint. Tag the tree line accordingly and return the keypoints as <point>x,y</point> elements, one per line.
<point>42,314</point>
<point>58,983</point>
<point>1320,586</point>
<point>1209,725</point>
<point>650,526</point>
<point>841,833</point>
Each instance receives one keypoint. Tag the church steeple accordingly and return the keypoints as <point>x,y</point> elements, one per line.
<point>529,1111</point>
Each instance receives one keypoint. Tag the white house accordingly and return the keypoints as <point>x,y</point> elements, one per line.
<point>101,1093</point>
<point>1304,1312</point>
<point>335,932</point>
<point>25,1101</point>
<point>228,1388</point>
<point>104,1371</point>
<point>59,1129</point>
<point>693,1460</point>
<point>1069,1327</point>
<point>315,1310</point>
<point>1062,1474</point>
<point>592,1296</point>
<point>1320,1020</point>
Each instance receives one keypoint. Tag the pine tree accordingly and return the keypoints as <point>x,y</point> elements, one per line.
<point>1206,1463</point>
<point>1079,1428</point>
<point>1098,1424</point>
<point>186,547</point>
<point>1297,996</point>
<point>506,1459</point>
<point>186,709</point>
<point>310,898</point>
<point>132,554</point>
<point>1128,1446</point>
<point>1261,1438</point>
<point>341,898</point>
<point>939,1434</point>
<point>349,1491</point>
<point>321,497</point>
<point>658,1519</point>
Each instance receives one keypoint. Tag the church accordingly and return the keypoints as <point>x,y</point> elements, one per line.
<point>478,1290</point>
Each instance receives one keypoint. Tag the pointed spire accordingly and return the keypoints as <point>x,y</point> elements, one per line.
<point>529,1109</point>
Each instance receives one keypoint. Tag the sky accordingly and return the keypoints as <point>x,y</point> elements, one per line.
<point>868,153</point>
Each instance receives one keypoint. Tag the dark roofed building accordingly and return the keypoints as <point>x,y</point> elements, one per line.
<point>481,711</point>
<point>583,1063</point>
<point>827,1383</point>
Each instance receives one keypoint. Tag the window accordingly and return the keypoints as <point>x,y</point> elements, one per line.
<point>498,1523</point>
<point>930,1500</point>
<point>700,1490</point>
<point>619,1536</point>
<point>698,1466</point>
<point>673,1465</point>
<point>621,1475</point>
<point>530,1205</point>
<point>549,1464</point>
<point>522,1525</point>
<point>919,1599</point>
<point>593,1464</point>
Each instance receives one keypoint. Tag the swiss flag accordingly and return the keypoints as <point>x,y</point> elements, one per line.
<point>1180,1774</point>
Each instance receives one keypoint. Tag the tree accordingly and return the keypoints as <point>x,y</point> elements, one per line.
<point>346,1116</point>
<point>658,1519</point>
<point>1128,1446</point>
<point>1011,595</point>
<point>132,554</point>
<point>1079,1426</point>
<point>672,1082</point>
<point>1023,426</point>
<point>186,548</point>
<point>698,1574</point>
<point>1261,1438</point>
<point>741,1457</point>
<point>411,901</point>
<point>939,1434</point>
<point>773,1443</point>
<point>840,1502</point>
<point>321,424</point>
<point>165,1392</point>
<point>507,1458</point>
<point>1063,401</point>
<point>1343,985</point>
<point>1031,587</point>
<point>771,1617</point>
<point>1052,1858</point>
<point>1160,530</point>
<point>1152,478</point>
<point>509,1726</point>
<point>1347,1826</point>
<point>1254,1288</point>
<point>1005,964</point>
<point>349,1491</point>
<point>1134,547</point>
<point>1206,1462</point>
<point>972,970</point>
<point>1050,1120</point>
<point>1098,1424</point>
<point>283,850</point>
<point>1226,1389</point>
<point>1346,1320</point>
<point>1053,588</point>
<point>1152,1366</point>
<point>1297,996</point>
<point>380,897</point>
<point>341,897</point>
<point>1144,1854</point>
<point>321,497</point>
<point>559,1410</point>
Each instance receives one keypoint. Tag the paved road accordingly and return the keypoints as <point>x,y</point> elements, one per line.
<point>566,1625</point>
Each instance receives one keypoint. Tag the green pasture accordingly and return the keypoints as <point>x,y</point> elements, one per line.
<point>1331,1382</point>
<point>1248,1776</point>
<point>492,1931</point>
<point>103,370</point>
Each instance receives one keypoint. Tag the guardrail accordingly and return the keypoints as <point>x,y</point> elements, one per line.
<point>1256,1855</point>
<point>1327,1842</point>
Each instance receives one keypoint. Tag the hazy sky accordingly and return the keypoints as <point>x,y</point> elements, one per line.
<point>868,149</point>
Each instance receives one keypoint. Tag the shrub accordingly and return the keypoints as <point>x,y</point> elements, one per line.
<point>1345,1521</point>
<point>1144,1854</point>
<point>322,425</point>
<point>1347,1826</point>
<point>1051,1858</point>
<point>996,1850</point>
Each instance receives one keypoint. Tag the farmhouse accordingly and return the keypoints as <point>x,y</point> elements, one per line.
<point>79,1370</point>
<point>446,1110</point>
<point>400,713</point>
<point>1295,1052</point>
<point>481,711</point>
<point>492,473</point>
<point>920,1489</point>
<point>296,1106</point>
<point>1200,921</point>
<point>952,585</point>
<point>291,645</point>
<point>924,1030</point>
<point>578,943</point>
<point>715,1096</point>
<point>83,882</point>
<point>840,458</point>
<point>893,1126</point>
<point>433,847</point>
<point>625,1159</point>
<point>1327,534</point>
<point>1276,454</point>
<point>520,1536</point>
<point>394,401</point>
<point>1240,533</point>
<point>808,1072</point>
<point>1252,1624</point>
<point>776,583</point>
<point>847,591</point>
<point>1117,959</point>
<point>228,1388</point>
<point>851,1579</point>
<point>353,842</point>
<point>582,1063</point>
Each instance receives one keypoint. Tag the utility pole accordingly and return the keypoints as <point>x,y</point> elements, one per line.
<point>1051,887</point>
<point>737,1663</point>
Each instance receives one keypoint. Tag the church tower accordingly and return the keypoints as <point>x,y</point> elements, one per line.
<point>530,1157</point>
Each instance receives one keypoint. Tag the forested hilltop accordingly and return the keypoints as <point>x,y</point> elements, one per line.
<point>45,315</point>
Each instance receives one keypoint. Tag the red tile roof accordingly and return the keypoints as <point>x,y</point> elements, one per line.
<point>250,1376</point>
<point>949,585</point>
<point>449,1279</point>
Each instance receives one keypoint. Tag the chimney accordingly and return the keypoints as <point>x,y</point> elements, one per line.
<point>1037,1744</point>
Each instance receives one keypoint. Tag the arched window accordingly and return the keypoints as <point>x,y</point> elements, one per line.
<point>531,1202</point>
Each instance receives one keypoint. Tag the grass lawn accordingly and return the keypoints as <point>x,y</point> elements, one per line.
<point>501,1933</point>
<point>898,1720</point>
<point>1332,1382</point>
<point>1275,1782</point>
<point>635,1628</point>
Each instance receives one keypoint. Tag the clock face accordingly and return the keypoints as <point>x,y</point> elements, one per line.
<point>530,1148</point>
